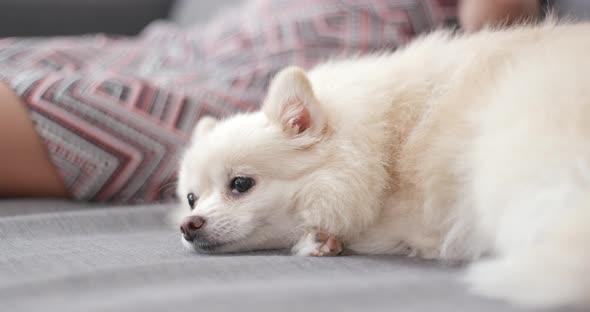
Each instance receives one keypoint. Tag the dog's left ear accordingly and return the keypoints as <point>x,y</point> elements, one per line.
<point>292,104</point>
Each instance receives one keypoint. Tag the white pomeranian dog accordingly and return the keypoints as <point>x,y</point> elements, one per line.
<point>456,147</point>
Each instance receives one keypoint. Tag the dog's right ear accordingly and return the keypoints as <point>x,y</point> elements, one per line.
<point>203,127</point>
<point>291,104</point>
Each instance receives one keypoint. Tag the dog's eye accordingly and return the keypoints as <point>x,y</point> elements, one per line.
<point>241,184</point>
<point>192,200</point>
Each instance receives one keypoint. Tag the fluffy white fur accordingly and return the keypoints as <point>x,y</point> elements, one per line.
<point>456,148</point>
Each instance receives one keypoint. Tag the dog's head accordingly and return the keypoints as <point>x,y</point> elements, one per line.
<point>239,180</point>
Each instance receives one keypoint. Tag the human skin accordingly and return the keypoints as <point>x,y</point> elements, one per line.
<point>25,167</point>
<point>475,14</point>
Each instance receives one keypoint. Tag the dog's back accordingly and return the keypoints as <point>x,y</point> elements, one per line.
<point>489,137</point>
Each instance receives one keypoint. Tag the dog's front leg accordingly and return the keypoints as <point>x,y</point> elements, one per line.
<point>333,210</point>
<point>317,243</point>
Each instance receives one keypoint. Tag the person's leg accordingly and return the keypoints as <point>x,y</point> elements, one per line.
<point>475,14</point>
<point>25,167</point>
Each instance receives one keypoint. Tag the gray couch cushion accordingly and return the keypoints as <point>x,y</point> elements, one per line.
<point>74,17</point>
<point>189,12</point>
<point>127,259</point>
<point>578,9</point>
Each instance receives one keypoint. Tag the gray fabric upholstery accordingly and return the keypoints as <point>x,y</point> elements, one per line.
<point>189,12</point>
<point>54,257</point>
<point>577,9</point>
<point>75,17</point>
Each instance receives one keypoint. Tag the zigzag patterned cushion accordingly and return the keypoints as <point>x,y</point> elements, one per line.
<point>116,113</point>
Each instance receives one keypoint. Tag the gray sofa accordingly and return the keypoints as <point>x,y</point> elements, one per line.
<point>65,256</point>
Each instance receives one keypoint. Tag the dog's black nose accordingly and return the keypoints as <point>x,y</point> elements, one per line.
<point>190,227</point>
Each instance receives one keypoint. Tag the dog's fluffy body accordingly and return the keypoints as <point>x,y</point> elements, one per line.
<point>455,147</point>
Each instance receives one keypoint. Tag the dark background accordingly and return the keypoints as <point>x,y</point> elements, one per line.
<point>119,17</point>
<point>129,17</point>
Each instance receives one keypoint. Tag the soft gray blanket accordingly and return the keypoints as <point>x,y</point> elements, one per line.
<point>57,256</point>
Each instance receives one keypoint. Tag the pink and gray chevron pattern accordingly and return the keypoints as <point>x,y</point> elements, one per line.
<point>116,113</point>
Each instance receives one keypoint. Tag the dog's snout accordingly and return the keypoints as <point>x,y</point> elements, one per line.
<point>190,227</point>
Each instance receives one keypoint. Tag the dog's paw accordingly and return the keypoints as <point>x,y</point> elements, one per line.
<point>317,244</point>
